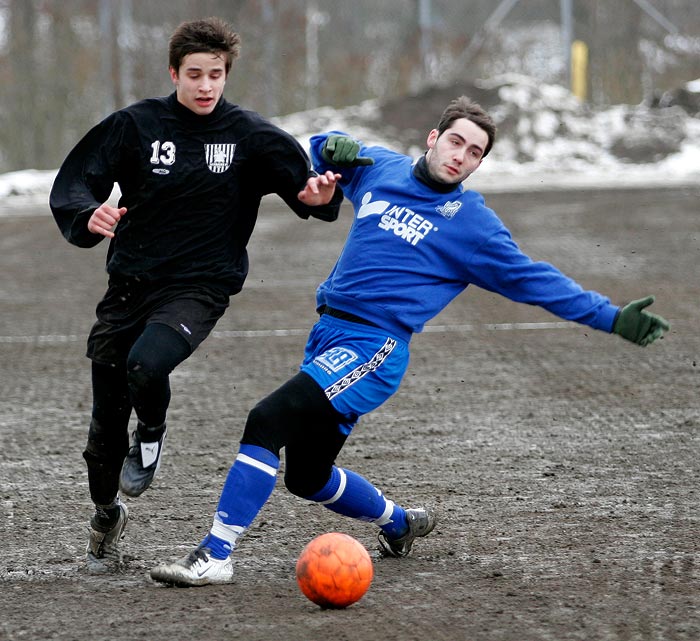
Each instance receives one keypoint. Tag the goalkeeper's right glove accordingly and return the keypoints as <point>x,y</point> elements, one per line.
<point>342,151</point>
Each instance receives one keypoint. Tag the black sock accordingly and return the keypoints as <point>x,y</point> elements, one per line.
<point>106,516</point>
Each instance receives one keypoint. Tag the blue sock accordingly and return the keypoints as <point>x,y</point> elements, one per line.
<point>350,494</point>
<point>249,483</point>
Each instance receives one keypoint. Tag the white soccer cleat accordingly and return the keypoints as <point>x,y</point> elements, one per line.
<point>197,568</point>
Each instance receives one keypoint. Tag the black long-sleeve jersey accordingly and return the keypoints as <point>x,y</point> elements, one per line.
<point>192,186</point>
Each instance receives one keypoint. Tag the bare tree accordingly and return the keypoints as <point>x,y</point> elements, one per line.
<point>21,76</point>
<point>64,64</point>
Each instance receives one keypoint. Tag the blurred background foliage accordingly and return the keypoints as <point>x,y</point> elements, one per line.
<point>65,64</point>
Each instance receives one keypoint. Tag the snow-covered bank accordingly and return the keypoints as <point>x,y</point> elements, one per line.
<point>547,140</point>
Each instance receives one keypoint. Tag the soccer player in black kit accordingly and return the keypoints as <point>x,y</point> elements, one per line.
<point>192,169</point>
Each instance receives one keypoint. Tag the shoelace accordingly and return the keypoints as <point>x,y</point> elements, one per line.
<point>198,554</point>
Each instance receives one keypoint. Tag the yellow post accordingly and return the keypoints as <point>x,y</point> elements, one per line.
<point>579,69</point>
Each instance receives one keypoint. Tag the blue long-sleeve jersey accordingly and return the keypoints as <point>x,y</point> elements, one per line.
<point>411,250</point>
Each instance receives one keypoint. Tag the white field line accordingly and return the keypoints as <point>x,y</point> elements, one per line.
<point>271,333</point>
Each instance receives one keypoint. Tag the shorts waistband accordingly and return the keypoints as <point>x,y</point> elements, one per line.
<point>337,313</point>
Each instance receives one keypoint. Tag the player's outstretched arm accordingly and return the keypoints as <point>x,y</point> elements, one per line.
<point>319,189</point>
<point>639,326</point>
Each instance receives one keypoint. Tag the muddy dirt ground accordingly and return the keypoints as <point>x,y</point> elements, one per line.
<point>562,462</point>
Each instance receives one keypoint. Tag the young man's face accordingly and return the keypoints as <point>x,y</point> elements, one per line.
<point>456,153</point>
<point>199,82</point>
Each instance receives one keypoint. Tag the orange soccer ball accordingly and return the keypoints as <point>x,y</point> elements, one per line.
<point>334,570</point>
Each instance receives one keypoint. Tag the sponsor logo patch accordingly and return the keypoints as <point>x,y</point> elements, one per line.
<point>402,221</point>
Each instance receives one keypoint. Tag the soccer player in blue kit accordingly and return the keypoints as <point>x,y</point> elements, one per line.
<point>192,169</point>
<point>417,240</point>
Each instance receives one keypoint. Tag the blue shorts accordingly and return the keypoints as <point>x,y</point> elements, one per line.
<point>357,366</point>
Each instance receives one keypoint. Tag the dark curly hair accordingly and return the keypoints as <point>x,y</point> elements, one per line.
<point>211,35</point>
<point>464,107</point>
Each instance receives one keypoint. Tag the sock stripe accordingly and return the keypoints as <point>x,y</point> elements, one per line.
<point>385,518</point>
<point>228,533</point>
<point>340,490</point>
<point>263,467</point>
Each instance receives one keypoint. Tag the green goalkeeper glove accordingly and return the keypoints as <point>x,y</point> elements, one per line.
<point>342,151</point>
<point>638,326</point>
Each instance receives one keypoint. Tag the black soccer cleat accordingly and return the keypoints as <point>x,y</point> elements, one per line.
<point>103,553</point>
<point>143,460</point>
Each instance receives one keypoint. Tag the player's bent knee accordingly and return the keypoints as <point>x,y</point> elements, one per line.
<point>265,427</point>
<point>139,376</point>
<point>305,485</point>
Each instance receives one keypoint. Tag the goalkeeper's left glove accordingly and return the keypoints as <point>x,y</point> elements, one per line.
<point>639,326</point>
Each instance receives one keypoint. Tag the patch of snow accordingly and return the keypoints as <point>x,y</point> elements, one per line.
<point>547,140</point>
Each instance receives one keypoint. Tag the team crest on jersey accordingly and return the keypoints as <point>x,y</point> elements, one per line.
<point>449,209</point>
<point>219,156</point>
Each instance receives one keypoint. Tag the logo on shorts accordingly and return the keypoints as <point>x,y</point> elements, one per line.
<point>335,359</point>
<point>361,370</point>
<point>219,156</point>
